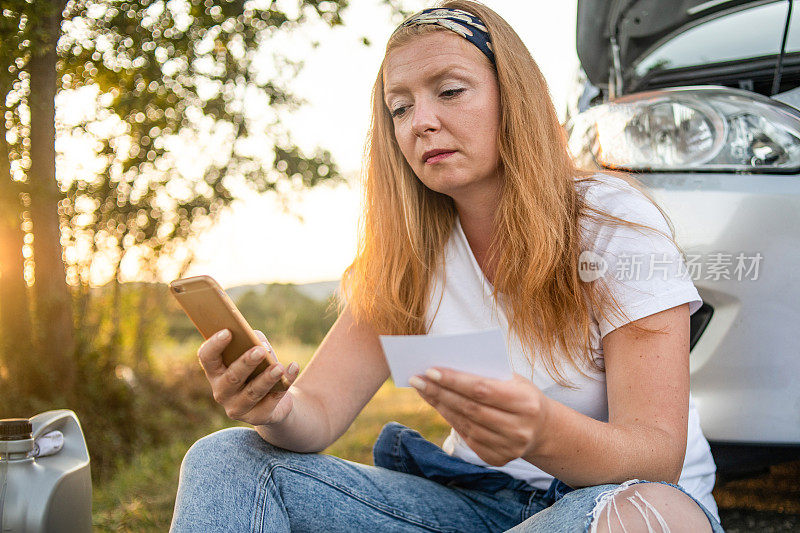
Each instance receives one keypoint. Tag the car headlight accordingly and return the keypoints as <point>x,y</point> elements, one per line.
<point>689,129</point>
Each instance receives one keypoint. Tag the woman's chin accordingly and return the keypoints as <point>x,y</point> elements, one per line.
<point>448,189</point>
<point>446,184</point>
<point>455,186</point>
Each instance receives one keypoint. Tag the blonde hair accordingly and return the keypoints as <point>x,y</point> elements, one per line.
<point>536,241</point>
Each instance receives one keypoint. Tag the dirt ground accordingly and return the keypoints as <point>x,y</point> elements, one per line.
<point>766,503</point>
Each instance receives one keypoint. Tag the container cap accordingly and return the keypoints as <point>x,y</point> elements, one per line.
<point>15,429</point>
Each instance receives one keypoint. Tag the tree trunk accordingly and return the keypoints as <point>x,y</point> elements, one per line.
<point>16,346</point>
<point>116,310</point>
<point>53,299</point>
<point>141,344</point>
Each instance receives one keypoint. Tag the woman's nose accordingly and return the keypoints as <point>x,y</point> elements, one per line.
<point>425,118</point>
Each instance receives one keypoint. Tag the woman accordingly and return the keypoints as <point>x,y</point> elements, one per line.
<point>475,217</point>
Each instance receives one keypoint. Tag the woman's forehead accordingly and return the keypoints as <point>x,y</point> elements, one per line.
<point>430,56</point>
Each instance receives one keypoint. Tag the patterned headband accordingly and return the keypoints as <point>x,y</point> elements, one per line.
<point>465,24</point>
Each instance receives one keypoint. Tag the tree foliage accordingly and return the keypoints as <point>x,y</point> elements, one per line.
<point>179,79</point>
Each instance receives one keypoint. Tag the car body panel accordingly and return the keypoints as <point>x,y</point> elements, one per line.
<point>745,368</point>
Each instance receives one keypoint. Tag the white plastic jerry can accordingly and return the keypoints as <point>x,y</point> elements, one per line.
<point>45,478</point>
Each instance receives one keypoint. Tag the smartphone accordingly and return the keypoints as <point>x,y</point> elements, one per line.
<point>210,309</point>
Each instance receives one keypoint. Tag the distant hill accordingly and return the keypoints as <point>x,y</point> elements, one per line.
<point>319,290</point>
<point>236,292</point>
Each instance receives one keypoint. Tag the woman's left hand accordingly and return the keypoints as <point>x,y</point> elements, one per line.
<point>499,420</point>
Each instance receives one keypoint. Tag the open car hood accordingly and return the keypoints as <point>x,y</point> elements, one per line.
<point>637,25</point>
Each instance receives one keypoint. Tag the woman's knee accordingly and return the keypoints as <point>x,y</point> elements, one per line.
<point>221,449</point>
<point>648,507</point>
<point>220,443</point>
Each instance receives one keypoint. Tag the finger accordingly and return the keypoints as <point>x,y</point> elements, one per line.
<point>502,394</point>
<point>494,448</point>
<point>210,353</point>
<point>265,342</point>
<point>473,432</point>
<point>292,371</point>
<point>488,447</point>
<point>486,415</point>
<point>234,377</point>
<point>256,394</point>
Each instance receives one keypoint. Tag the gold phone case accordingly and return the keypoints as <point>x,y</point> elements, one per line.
<point>211,309</point>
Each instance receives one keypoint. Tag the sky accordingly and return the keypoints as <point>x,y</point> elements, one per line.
<point>257,241</point>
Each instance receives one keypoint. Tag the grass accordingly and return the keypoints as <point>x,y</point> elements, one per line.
<point>141,495</point>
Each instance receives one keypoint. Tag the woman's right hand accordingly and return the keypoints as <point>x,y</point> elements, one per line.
<point>252,403</point>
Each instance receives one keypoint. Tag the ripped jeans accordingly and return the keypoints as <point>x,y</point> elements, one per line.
<point>233,480</point>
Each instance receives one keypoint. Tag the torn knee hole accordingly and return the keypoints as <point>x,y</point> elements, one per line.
<point>650,507</point>
<point>627,509</point>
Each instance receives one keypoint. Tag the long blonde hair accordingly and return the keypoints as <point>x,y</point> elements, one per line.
<point>536,238</point>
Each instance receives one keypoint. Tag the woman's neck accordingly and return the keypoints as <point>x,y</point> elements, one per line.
<point>478,225</point>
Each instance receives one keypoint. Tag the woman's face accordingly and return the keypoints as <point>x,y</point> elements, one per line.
<point>443,96</point>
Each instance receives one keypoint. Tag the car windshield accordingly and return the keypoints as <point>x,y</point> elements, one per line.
<point>749,33</point>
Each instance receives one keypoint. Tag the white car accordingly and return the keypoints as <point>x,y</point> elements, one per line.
<point>700,100</point>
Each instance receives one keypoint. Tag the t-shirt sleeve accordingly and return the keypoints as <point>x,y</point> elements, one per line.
<point>643,269</point>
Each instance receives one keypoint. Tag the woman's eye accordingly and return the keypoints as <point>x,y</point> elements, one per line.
<point>453,92</point>
<point>449,93</point>
<point>398,111</point>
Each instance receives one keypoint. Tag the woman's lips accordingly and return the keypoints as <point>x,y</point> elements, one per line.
<point>438,157</point>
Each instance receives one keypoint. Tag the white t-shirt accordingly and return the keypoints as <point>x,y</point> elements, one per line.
<point>465,304</point>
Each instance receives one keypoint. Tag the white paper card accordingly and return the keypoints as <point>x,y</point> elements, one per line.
<point>481,352</point>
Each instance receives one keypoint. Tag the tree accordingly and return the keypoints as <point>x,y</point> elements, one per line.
<point>167,75</point>
<point>161,79</point>
<point>53,299</point>
<point>15,319</point>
